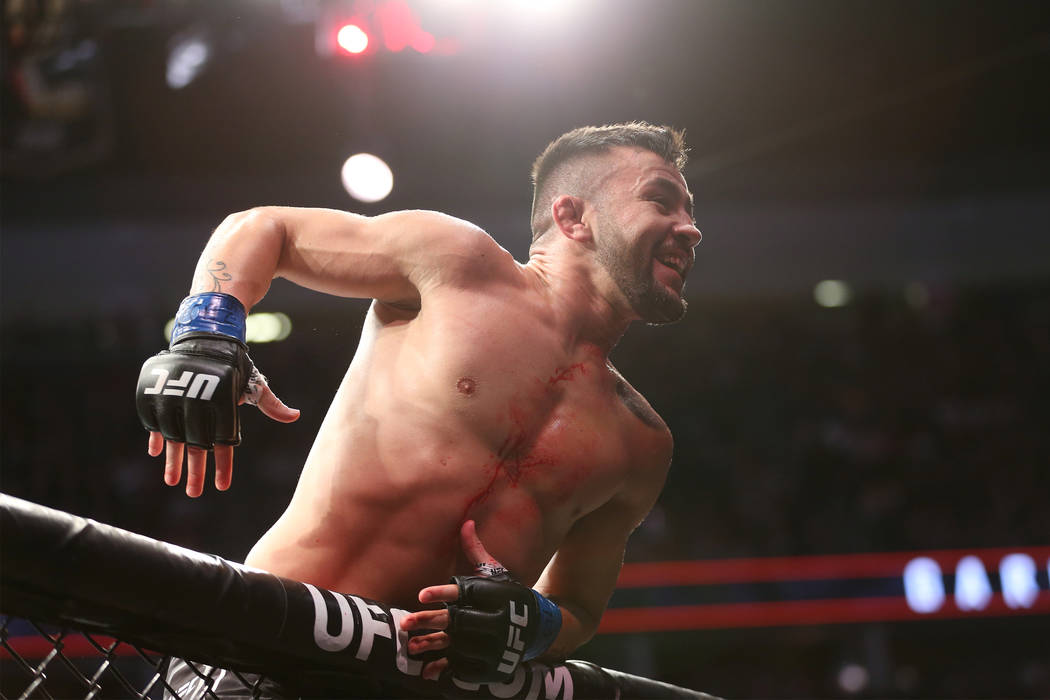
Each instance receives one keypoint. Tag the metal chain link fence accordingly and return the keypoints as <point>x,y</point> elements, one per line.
<point>60,663</point>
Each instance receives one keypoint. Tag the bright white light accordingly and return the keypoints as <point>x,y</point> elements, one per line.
<point>536,5</point>
<point>259,328</point>
<point>831,293</point>
<point>267,327</point>
<point>973,590</point>
<point>185,62</point>
<point>923,585</point>
<point>352,38</point>
<point>853,678</point>
<point>367,178</point>
<point>539,10</point>
<point>1017,574</point>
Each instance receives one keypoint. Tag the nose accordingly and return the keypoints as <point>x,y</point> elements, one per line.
<point>688,234</point>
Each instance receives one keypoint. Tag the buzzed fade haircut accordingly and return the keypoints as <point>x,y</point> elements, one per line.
<point>665,141</point>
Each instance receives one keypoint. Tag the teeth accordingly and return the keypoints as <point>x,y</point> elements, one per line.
<point>675,265</point>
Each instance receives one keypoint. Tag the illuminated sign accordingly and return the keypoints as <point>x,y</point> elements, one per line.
<point>815,590</point>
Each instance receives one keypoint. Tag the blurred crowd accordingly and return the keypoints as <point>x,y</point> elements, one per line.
<point>892,423</point>
<point>884,425</point>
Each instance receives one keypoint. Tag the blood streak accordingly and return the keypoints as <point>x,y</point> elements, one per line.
<point>565,374</point>
<point>516,456</point>
<point>513,459</point>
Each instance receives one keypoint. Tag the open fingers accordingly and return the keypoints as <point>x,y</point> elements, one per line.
<point>425,620</point>
<point>433,670</point>
<point>156,444</point>
<point>223,466</point>
<point>273,407</point>
<point>196,463</point>
<point>447,593</point>
<point>484,563</point>
<point>173,463</point>
<point>428,642</point>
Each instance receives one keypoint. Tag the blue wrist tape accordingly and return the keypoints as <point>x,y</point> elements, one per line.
<point>211,312</point>
<point>550,625</point>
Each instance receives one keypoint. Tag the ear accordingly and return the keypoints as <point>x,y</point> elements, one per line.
<point>567,212</point>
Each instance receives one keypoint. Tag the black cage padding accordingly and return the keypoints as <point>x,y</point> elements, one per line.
<point>67,570</point>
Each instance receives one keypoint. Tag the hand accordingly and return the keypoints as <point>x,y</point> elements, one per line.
<point>197,457</point>
<point>484,565</point>
<point>188,395</point>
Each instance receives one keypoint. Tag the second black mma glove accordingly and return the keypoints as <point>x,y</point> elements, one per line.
<point>189,393</point>
<point>495,625</point>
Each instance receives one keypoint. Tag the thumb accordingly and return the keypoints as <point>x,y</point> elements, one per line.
<point>273,407</point>
<point>484,563</point>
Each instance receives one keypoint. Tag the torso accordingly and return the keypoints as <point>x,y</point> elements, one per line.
<point>471,407</point>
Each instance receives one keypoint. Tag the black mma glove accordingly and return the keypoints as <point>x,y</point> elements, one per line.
<point>189,393</point>
<point>495,625</point>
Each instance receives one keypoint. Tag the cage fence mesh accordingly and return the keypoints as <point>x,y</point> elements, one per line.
<point>38,660</point>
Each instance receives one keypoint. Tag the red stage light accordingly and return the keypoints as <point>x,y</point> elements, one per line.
<point>423,42</point>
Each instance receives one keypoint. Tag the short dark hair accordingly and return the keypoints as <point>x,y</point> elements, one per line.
<point>665,141</point>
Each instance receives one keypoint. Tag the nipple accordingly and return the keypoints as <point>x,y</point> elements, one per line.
<point>466,386</point>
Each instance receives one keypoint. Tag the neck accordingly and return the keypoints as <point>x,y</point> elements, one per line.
<point>584,312</point>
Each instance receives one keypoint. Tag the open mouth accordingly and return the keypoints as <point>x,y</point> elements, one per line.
<point>677,276</point>
<point>679,264</point>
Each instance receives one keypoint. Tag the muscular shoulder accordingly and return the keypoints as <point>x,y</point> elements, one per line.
<point>651,448</point>
<point>452,250</point>
<point>637,404</point>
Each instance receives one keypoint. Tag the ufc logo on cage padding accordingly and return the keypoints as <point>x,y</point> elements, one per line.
<point>515,644</point>
<point>201,388</point>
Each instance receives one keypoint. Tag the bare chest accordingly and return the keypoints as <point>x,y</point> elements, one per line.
<point>555,430</point>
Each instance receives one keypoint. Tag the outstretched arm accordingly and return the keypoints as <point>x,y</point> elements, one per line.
<point>394,258</point>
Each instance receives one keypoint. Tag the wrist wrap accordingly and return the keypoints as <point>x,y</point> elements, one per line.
<point>213,313</point>
<point>550,625</point>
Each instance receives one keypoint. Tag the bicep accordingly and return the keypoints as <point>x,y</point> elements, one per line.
<point>392,257</point>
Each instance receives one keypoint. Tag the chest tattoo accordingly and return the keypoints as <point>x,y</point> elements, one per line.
<point>638,405</point>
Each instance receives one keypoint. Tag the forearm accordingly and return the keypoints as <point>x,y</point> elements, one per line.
<point>577,627</point>
<point>242,257</point>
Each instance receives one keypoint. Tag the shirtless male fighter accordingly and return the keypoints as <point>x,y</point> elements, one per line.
<point>480,406</point>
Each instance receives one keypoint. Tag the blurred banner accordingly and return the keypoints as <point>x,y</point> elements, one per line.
<point>817,590</point>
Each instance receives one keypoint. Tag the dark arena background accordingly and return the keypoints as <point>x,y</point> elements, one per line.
<point>858,504</point>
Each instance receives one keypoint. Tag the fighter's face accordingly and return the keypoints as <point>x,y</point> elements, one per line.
<point>645,234</point>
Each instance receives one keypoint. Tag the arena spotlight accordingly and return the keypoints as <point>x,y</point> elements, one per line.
<point>853,678</point>
<point>832,293</point>
<point>538,13</point>
<point>267,327</point>
<point>367,178</point>
<point>351,38</point>
<point>188,56</point>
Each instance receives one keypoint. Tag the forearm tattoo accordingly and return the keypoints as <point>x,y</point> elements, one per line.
<point>216,269</point>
